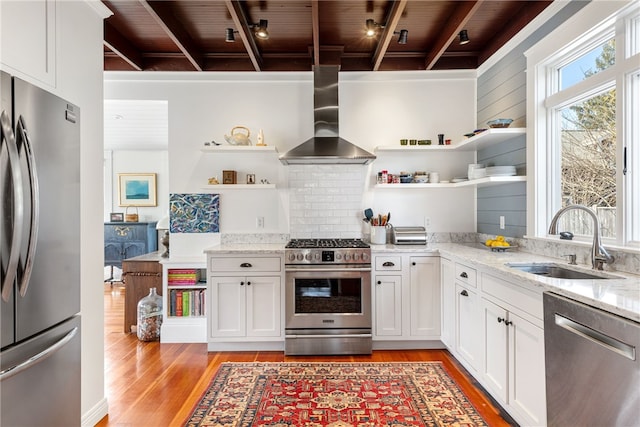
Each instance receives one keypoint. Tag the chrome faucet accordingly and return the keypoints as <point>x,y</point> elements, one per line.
<point>599,254</point>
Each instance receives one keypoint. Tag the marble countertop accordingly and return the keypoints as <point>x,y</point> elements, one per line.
<point>620,295</point>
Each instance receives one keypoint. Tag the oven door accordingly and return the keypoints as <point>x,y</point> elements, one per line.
<point>328,298</point>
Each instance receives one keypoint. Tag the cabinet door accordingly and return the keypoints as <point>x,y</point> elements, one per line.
<point>227,304</point>
<point>526,370</point>
<point>468,323</point>
<point>28,38</point>
<point>425,296</point>
<point>495,366</point>
<point>263,306</point>
<point>388,306</point>
<point>448,292</point>
<point>132,249</point>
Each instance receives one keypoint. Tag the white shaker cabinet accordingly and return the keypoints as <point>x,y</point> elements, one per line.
<point>468,326</point>
<point>28,38</point>
<point>406,301</point>
<point>245,306</point>
<point>245,302</point>
<point>513,368</point>
<point>424,296</point>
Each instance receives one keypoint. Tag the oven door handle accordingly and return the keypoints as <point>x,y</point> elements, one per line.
<point>325,269</point>
<point>330,335</point>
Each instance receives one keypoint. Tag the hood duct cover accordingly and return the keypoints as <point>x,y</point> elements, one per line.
<point>326,146</point>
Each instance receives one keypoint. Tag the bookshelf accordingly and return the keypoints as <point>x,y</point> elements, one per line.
<point>184,305</point>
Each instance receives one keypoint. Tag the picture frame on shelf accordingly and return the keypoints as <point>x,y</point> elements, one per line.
<point>116,217</point>
<point>137,189</point>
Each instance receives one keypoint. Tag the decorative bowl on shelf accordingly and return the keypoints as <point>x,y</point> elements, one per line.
<point>500,123</point>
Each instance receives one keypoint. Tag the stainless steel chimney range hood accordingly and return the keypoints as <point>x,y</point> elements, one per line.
<point>326,146</point>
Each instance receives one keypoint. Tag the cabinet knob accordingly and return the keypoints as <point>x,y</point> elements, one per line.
<point>388,264</point>
<point>464,293</point>
<point>413,263</point>
<point>464,275</point>
<point>248,283</point>
<point>508,322</point>
<point>241,283</point>
<point>500,320</point>
<point>379,282</point>
<point>246,265</point>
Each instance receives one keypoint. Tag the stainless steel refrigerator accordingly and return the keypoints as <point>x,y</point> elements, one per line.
<point>40,257</point>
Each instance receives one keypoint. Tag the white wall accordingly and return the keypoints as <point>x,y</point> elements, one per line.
<point>139,161</point>
<point>375,109</point>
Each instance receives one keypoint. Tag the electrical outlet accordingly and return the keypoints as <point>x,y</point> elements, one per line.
<point>501,222</point>
<point>260,222</point>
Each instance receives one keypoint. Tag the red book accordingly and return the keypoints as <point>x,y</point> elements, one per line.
<point>178,303</point>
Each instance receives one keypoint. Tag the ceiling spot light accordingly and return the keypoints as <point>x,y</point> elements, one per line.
<point>464,37</point>
<point>261,29</point>
<point>230,35</point>
<point>372,27</point>
<point>404,34</point>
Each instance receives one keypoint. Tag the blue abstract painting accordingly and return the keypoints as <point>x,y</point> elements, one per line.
<point>194,213</point>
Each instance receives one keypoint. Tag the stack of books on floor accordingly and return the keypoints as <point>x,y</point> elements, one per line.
<point>183,276</point>
<point>188,302</point>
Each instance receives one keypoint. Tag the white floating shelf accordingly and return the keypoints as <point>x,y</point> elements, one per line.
<point>222,187</point>
<point>482,182</point>
<point>484,139</point>
<point>239,149</point>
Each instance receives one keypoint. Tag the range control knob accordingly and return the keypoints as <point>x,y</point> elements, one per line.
<point>316,256</point>
<point>338,256</point>
<point>347,257</point>
<point>356,256</point>
<point>299,257</point>
<point>292,256</point>
<point>307,257</point>
<point>365,257</point>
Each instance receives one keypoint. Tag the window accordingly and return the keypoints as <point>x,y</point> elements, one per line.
<point>585,102</point>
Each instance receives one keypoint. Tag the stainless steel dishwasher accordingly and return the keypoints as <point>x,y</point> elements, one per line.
<point>592,367</point>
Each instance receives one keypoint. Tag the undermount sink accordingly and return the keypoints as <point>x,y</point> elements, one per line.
<point>557,271</point>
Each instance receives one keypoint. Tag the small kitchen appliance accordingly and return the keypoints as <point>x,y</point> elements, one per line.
<point>409,236</point>
<point>328,297</point>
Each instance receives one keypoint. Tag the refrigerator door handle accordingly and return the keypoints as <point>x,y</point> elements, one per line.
<point>14,370</point>
<point>23,138</point>
<point>9,270</point>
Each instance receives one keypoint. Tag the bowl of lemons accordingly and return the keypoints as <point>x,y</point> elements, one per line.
<point>499,244</point>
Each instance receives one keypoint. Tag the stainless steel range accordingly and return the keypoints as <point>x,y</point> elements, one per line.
<point>328,297</point>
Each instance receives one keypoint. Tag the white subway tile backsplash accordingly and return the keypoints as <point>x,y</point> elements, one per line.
<point>326,200</point>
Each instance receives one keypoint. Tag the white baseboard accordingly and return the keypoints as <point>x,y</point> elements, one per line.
<point>95,414</point>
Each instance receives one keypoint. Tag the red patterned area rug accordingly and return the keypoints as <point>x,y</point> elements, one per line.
<point>333,394</point>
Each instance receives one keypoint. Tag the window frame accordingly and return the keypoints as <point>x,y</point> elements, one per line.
<point>578,36</point>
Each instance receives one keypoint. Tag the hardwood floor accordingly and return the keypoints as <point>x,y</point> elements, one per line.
<point>149,384</point>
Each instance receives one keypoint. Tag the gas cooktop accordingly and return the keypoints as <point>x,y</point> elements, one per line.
<point>325,243</point>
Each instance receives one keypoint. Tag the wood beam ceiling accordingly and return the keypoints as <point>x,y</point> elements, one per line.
<point>243,26</point>
<point>463,13</point>
<point>387,34</point>
<point>160,11</point>
<point>121,47</point>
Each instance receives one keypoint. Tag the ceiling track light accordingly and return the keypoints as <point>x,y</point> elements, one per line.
<point>464,37</point>
<point>230,35</point>
<point>372,27</point>
<point>261,29</point>
<point>404,34</point>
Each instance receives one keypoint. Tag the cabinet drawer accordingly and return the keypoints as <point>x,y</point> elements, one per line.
<point>245,265</point>
<point>465,274</point>
<point>388,263</point>
<point>528,301</point>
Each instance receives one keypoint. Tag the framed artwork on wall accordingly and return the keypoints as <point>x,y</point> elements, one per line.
<point>137,189</point>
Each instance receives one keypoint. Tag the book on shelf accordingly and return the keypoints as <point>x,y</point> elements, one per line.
<point>185,303</point>
<point>183,276</point>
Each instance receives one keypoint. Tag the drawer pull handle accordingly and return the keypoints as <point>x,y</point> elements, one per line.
<point>388,264</point>
<point>508,322</point>
<point>246,265</point>
<point>500,320</point>
<point>464,275</point>
<point>464,293</point>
